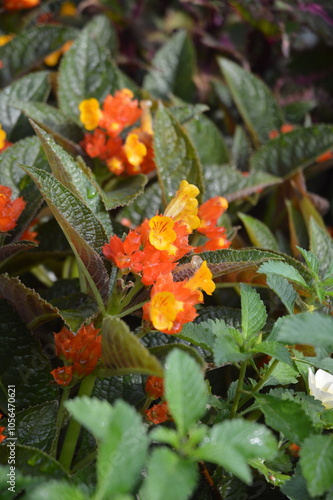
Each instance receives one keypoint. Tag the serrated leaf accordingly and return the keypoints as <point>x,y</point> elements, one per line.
<point>173,68</point>
<point>185,390</point>
<point>282,374</point>
<point>311,260</point>
<point>297,149</point>
<point>129,388</point>
<point>30,47</point>
<point>22,362</point>
<point>83,230</point>
<point>316,460</point>
<point>86,71</point>
<point>286,416</point>
<point>260,234</point>
<point>123,353</point>
<point>283,289</point>
<point>41,436</point>
<point>76,177</point>
<point>283,269</point>
<point>224,180</point>
<point>208,141</point>
<point>233,443</point>
<point>226,348</point>
<point>9,251</point>
<point>253,311</point>
<point>33,87</point>
<point>199,334</point>
<point>246,89</point>
<point>94,414</point>
<point>125,191</point>
<point>145,206</point>
<point>321,245</point>
<point>168,476</point>
<point>175,156</point>
<point>76,309</point>
<point>122,453</point>
<point>300,328</point>
<point>273,349</point>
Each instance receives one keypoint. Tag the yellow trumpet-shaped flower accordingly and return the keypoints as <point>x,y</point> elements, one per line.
<point>202,279</point>
<point>2,138</point>
<point>135,150</point>
<point>161,234</point>
<point>90,113</point>
<point>184,206</point>
<point>164,310</point>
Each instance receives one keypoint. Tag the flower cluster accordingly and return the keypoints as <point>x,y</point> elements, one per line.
<point>20,4</point>
<point>81,353</point>
<point>158,413</point>
<point>4,144</point>
<point>153,250</point>
<point>9,210</point>
<point>2,436</point>
<point>123,156</point>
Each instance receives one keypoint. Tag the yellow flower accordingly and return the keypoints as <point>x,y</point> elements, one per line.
<point>5,39</point>
<point>135,150</point>
<point>184,206</point>
<point>161,234</point>
<point>3,136</point>
<point>202,279</point>
<point>90,113</point>
<point>67,9</point>
<point>164,310</point>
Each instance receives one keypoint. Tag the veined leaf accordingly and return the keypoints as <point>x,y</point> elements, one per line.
<point>241,149</point>
<point>316,459</point>
<point>283,289</point>
<point>275,350</point>
<point>101,30</point>
<point>173,68</point>
<point>175,156</point>
<point>253,311</point>
<point>199,334</point>
<point>9,251</point>
<point>246,89</point>
<point>145,206</point>
<point>297,149</point>
<point>125,191</point>
<point>300,328</point>
<point>33,87</point>
<point>283,269</point>
<point>28,49</point>
<point>123,353</point>
<point>321,245</point>
<point>83,230</point>
<point>208,140</point>
<point>226,348</point>
<point>260,234</point>
<point>41,436</point>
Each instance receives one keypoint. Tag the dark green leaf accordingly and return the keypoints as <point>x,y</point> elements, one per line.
<point>300,328</point>
<point>9,251</point>
<point>241,149</point>
<point>184,112</point>
<point>125,192</point>
<point>76,309</point>
<point>273,349</point>
<point>283,289</point>
<point>247,89</point>
<point>40,436</point>
<point>316,459</point>
<point>260,234</point>
<point>253,311</point>
<point>208,141</point>
<point>321,245</point>
<point>101,30</point>
<point>145,206</point>
<point>175,157</point>
<point>199,334</point>
<point>173,68</point>
<point>283,269</point>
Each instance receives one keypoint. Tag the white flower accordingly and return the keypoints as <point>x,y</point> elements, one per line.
<point>321,387</point>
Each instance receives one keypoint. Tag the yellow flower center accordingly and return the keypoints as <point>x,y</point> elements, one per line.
<point>161,234</point>
<point>164,309</point>
<point>134,150</point>
<point>184,206</point>
<point>90,113</point>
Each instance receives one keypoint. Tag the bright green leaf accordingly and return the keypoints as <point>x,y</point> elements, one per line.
<point>273,349</point>
<point>283,269</point>
<point>199,334</point>
<point>283,289</point>
<point>259,234</point>
<point>253,311</point>
<point>321,245</point>
<point>300,328</point>
<point>316,459</point>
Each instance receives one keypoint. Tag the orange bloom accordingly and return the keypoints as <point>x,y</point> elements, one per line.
<point>210,211</point>
<point>4,144</point>
<point>154,387</point>
<point>294,449</point>
<point>20,4</point>
<point>29,234</point>
<point>82,350</point>
<point>125,254</point>
<point>99,145</point>
<point>284,129</point>
<point>158,413</point>
<point>4,39</point>
<point>324,157</point>
<point>9,210</point>
<point>119,111</point>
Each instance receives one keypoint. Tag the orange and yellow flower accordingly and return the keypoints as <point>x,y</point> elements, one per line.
<point>20,4</point>
<point>4,144</point>
<point>9,210</point>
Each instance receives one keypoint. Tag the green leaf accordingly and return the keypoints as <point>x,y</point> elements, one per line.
<point>184,112</point>
<point>246,89</point>
<point>283,269</point>
<point>198,334</point>
<point>9,251</point>
<point>311,260</point>
<point>169,476</point>
<point>297,149</point>
<point>208,141</point>
<point>122,453</point>
<point>295,488</point>
<point>76,309</point>
<point>282,374</point>
<point>83,230</point>
<point>53,490</point>
<point>224,180</point>
<point>259,234</point>
<point>123,353</point>
<point>226,348</point>
<point>300,328</point>
<point>321,245</point>
<point>233,443</point>
<point>30,47</point>
<point>33,87</point>
<point>253,311</point>
<point>173,68</point>
<point>316,459</point>
<point>22,363</point>
<point>287,417</point>
<point>185,390</point>
<point>76,177</point>
<point>175,156</point>
<point>86,70</point>
<point>101,30</point>
<point>241,149</point>
<point>125,192</point>
<point>94,414</point>
<point>145,206</point>
<point>275,350</point>
<point>283,289</point>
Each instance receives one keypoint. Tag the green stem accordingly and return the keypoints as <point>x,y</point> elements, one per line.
<point>132,292</point>
<point>130,309</point>
<point>74,428</point>
<point>239,388</point>
<point>60,419</point>
<point>261,382</point>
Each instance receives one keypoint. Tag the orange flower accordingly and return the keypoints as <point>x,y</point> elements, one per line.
<point>4,144</point>
<point>29,234</point>
<point>210,211</point>
<point>294,449</point>
<point>125,254</point>
<point>119,111</point>
<point>82,350</point>
<point>324,157</point>
<point>99,145</point>
<point>9,210</point>
<point>20,4</point>
<point>158,413</point>
<point>284,129</point>
<point>4,39</point>
<point>154,387</point>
